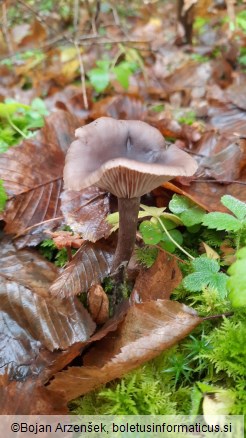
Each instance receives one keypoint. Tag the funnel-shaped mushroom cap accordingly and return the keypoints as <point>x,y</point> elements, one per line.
<point>125,157</point>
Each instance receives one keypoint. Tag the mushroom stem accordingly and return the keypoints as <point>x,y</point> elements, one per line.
<point>128,218</point>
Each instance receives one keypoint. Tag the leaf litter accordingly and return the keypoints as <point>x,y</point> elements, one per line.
<point>48,332</point>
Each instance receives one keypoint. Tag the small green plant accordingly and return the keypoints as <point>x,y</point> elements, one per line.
<point>18,121</point>
<point>189,212</point>
<point>241,20</point>
<point>206,274</point>
<point>100,76</point>
<point>106,70</point>
<point>3,196</point>
<point>49,250</point>
<point>146,255</point>
<point>237,282</point>
<point>188,118</point>
<point>235,223</point>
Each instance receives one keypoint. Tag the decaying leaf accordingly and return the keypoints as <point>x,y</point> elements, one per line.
<point>159,281</point>
<point>29,322</point>
<point>90,265</point>
<point>148,329</point>
<point>119,107</point>
<point>32,175</point>
<point>85,212</point>
<point>66,239</point>
<point>98,304</point>
<point>28,398</point>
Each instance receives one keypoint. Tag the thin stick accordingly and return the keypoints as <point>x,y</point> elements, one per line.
<point>82,75</point>
<point>226,314</point>
<point>5,29</point>
<point>75,16</point>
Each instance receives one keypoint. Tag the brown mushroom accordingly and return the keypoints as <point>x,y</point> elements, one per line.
<point>127,158</point>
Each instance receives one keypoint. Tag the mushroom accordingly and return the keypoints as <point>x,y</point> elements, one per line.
<point>127,158</point>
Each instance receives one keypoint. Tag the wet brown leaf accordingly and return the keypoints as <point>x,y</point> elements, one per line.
<point>98,304</point>
<point>66,239</point>
<point>148,329</point>
<point>228,118</point>
<point>29,321</point>
<point>90,265</point>
<point>119,107</point>
<point>220,156</point>
<point>159,281</point>
<point>28,398</point>
<point>86,211</point>
<point>32,175</point>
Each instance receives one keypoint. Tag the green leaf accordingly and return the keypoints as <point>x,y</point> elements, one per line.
<point>99,79</point>
<point>151,232</point>
<point>237,207</point>
<point>8,109</point>
<point>178,204</point>
<point>206,275</point>
<point>192,216</point>
<point>189,212</point>
<point>237,281</point>
<point>167,244</point>
<point>122,73</point>
<point>168,223</point>
<point>222,221</point>
<point>3,196</point>
<point>153,211</point>
<point>39,107</point>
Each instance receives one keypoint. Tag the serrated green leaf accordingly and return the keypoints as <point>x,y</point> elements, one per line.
<point>205,264</point>
<point>206,275</point>
<point>222,221</point>
<point>99,79</point>
<point>237,207</point>
<point>3,196</point>
<point>192,216</point>
<point>237,281</point>
<point>151,233</point>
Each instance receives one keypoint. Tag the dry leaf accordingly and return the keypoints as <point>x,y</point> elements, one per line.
<point>159,281</point>
<point>64,239</point>
<point>98,304</point>
<point>85,212</point>
<point>32,175</point>
<point>148,329</point>
<point>90,265</point>
<point>28,398</point>
<point>31,323</point>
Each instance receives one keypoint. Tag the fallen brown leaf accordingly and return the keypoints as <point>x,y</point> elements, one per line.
<point>98,304</point>
<point>148,329</point>
<point>85,212</point>
<point>32,175</point>
<point>91,264</point>
<point>159,281</point>
<point>30,323</point>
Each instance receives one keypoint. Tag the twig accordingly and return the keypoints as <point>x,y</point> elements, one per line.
<point>226,314</point>
<point>82,75</point>
<point>75,16</point>
<point>220,181</point>
<point>5,28</point>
